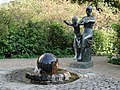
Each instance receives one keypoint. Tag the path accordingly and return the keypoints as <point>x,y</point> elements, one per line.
<point>103,76</point>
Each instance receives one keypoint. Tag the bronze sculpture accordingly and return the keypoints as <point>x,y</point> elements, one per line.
<point>83,42</point>
<point>77,36</point>
<point>87,36</point>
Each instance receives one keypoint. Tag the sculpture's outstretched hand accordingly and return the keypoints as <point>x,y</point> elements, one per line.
<point>67,23</point>
<point>64,21</point>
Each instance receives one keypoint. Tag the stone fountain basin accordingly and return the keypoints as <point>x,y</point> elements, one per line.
<point>19,76</point>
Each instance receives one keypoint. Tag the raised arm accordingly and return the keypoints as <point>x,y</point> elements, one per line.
<point>67,23</point>
<point>81,22</point>
<point>92,20</point>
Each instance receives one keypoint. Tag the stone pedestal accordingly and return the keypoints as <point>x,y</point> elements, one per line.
<point>83,65</point>
<point>86,55</point>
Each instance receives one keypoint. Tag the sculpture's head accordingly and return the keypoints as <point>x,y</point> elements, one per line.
<point>48,63</point>
<point>74,19</point>
<point>89,10</point>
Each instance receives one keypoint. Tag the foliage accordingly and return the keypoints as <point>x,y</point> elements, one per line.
<point>114,61</point>
<point>113,3</point>
<point>111,58</point>
<point>103,42</point>
<point>4,20</point>
<point>98,41</point>
<point>35,38</point>
<point>24,36</point>
<point>116,27</point>
<point>32,28</point>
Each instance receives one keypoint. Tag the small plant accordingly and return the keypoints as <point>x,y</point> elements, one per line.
<point>110,56</point>
<point>114,61</point>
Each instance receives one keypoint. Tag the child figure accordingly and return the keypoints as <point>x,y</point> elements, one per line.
<point>77,37</point>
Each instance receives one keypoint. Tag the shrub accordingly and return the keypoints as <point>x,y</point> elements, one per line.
<point>114,61</point>
<point>35,38</point>
<point>116,27</point>
<point>111,57</point>
<point>103,42</point>
<point>26,29</point>
<point>59,40</point>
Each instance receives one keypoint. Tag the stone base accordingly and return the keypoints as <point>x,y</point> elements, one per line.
<point>83,65</point>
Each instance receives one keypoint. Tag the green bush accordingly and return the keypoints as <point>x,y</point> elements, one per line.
<point>23,34</point>
<point>98,41</point>
<point>59,41</point>
<point>114,57</point>
<point>103,42</point>
<point>25,37</point>
<point>116,27</point>
<point>114,61</point>
<point>35,38</point>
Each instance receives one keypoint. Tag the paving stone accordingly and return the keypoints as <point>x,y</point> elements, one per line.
<point>89,81</point>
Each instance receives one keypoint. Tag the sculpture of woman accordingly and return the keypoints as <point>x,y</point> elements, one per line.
<point>87,36</point>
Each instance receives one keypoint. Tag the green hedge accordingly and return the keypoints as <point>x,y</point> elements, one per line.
<point>114,57</point>
<point>103,42</point>
<point>23,37</point>
<point>36,38</point>
<point>33,38</point>
<point>116,28</point>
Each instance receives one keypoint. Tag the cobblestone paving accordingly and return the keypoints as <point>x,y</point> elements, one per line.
<point>102,76</point>
<point>88,81</point>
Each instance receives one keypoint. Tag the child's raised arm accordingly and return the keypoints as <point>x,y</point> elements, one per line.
<point>67,23</point>
<point>81,22</point>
